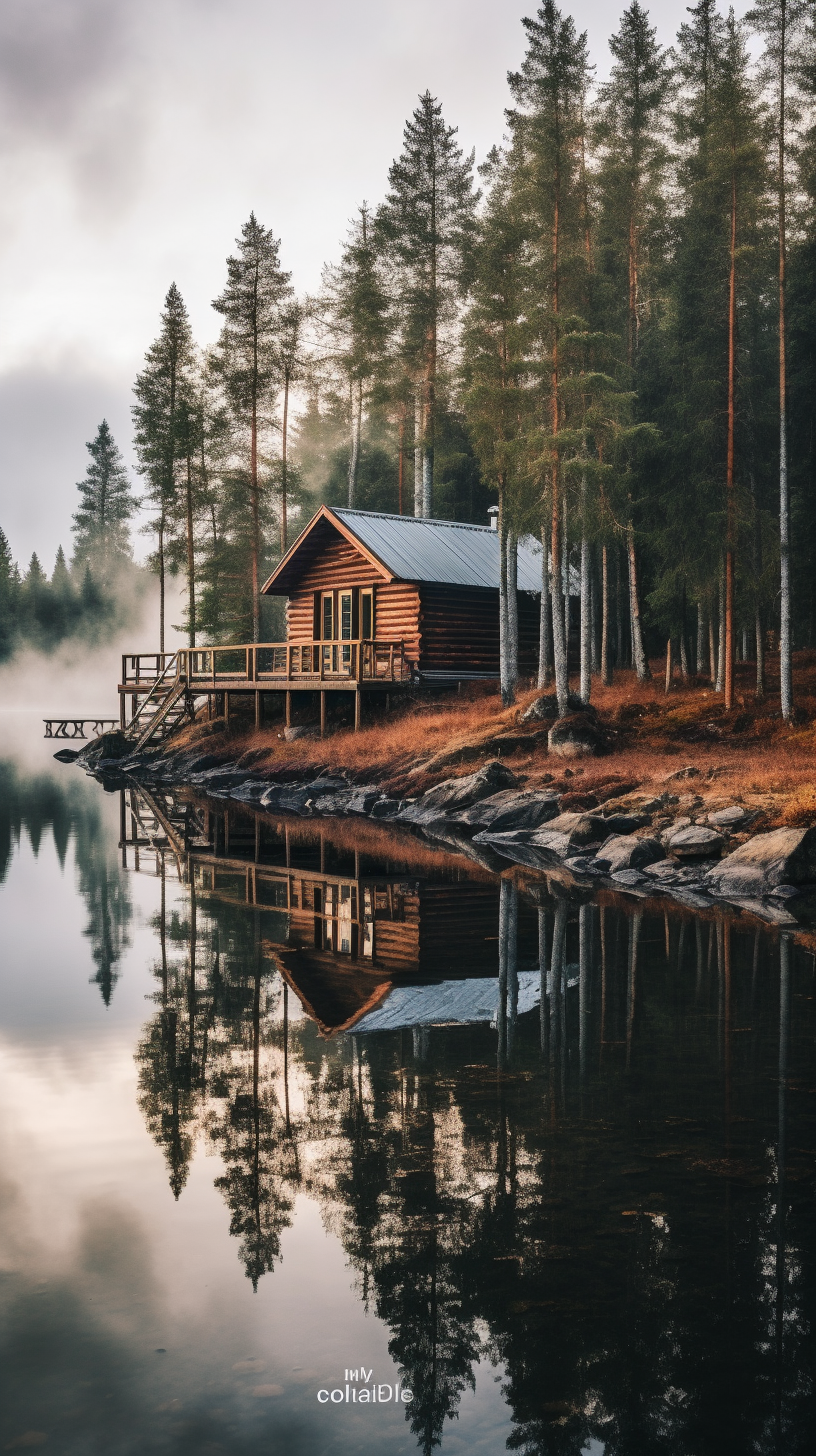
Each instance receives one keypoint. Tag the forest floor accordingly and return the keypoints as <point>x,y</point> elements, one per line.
<point>748,754</point>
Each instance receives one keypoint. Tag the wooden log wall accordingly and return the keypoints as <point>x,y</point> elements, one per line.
<point>460,629</point>
<point>339,566</point>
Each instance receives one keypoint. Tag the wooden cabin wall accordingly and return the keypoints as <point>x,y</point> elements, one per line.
<point>339,566</point>
<point>459,930</point>
<point>460,629</point>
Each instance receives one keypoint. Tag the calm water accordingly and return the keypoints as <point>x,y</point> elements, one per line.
<point>277,1104</point>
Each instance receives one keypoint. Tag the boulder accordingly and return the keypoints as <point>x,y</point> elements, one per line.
<point>626,852</point>
<point>445,799</point>
<point>67,755</point>
<point>510,809</point>
<point>385,808</point>
<point>731,818</point>
<point>112,745</point>
<point>546,706</point>
<point>695,842</point>
<point>300,730</point>
<point>577,828</point>
<point>626,823</point>
<point>578,736</point>
<point>562,836</point>
<point>781,857</point>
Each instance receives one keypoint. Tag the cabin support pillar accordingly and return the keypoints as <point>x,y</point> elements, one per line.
<point>227,697</point>
<point>287,713</point>
<point>122,712</point>
<point>322,713</point>
<point>358,710</point>
<point>258,709</point>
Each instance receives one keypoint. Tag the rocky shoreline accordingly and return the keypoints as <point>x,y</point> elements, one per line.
<point>645,845</point>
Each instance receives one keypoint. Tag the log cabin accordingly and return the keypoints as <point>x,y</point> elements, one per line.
<point>430,588</point>
<point>375,604</point>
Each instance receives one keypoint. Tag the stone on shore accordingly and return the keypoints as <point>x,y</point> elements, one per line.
<point>626,852</point>
<point>576,737</point>
<point>546,706</point>
<point>510,809</point>
<point>781,857</point>
<point>694,842</point>
<point>444,799</point>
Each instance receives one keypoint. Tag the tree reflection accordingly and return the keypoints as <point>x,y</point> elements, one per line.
<point>600,1197</point>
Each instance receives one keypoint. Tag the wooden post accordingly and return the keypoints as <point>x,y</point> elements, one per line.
<point>226,709</point>
<point>358,710</point>
<point>287,719</point>
<point>122,712</point>
<point>258,713</point>
<point>322,713</point>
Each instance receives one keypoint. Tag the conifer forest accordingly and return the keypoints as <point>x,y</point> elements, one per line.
<point>608,328</point>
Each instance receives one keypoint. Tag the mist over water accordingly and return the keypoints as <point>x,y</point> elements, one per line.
<point>246,1147</point>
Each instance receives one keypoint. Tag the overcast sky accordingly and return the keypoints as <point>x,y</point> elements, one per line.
<point>135,138</point>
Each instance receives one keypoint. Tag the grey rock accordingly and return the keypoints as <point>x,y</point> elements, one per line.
<point>546,706</point>
<point>362,800</point>
<point>578,736</point>
<point>300,730</point>
<point>511,809</point>
<point>785,892</point>
<point>781,857</point>
<point>385,808</point>
<point>626,852</point>
<point>584,864</point>
<point>576,828</point>
<point>625,823</point>
<point>666,871</point>
<point>730,818</point>
<point>694,842</point>
<point>251,791</point>
<point>444,799</point>
<point>627,877</point>
<point>518,847</point>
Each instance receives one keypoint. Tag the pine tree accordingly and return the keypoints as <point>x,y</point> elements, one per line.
<point>292,361</point>
<point>629,133</point>
<point>781,23</point>
<point>547,128</point>
<point>169,365</point>
<point>354,324</point>
<point>428,223</point>
<point>9,599</point>
<point>107,502</point>
<point>247,362</point>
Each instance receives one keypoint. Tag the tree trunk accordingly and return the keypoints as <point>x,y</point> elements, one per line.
<point>700,638</point>
<point>161,582</point>
<point>512,611</point>
<point>284,529</point>
<point>720,682</point>
<point>594,616</point>
<point>586,611</point>
<point>354,456</point>
<point>785,646</point>
<point>760,655</point>
<point>639,659</point>
<point>728,674</point>
<point>606,661</point>
<point>684,663</point>
<point>418,455</point>
<point>619,653</point>
<point>544,633</point>
<point>401,458</point>
<point>669,665</point>
<point>505,672</point>
<point>712,648</point>
<point>256,526</point>
<point>191,601</point>
<point>557,601</point>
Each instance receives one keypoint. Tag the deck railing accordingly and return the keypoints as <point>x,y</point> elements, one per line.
<point>264,663</point>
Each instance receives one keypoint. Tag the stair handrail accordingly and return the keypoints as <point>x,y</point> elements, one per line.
<point>172,662</point>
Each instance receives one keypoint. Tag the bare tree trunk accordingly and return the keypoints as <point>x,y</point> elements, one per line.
<point>760,654</point>
<point>505,675</point>
<point>256,526</point>
<point>161,582</point>
<point>594,615</point>
<point>606,660</point>
<point>728,667</point>
<point>557,600</point>
<point>544,633</point>
<point>586,619</point>
<point>712,648</point>
<point>785,645</point>
<point>354,456</point>
<point>418,455</point>
<point>191,601</point>
<point>720,683</point>
<point>700,637</point>
<point>619,652</point>
<point>669,665</point>
<point>284,526</point>
<point>684,663</point>
<point>639,659</point>
<point>512,612</point>
<point>401,458</point>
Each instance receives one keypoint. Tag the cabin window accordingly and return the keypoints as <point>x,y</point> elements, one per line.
<point>345,616</point>
<point>367,615</point>
<point>328,616</point>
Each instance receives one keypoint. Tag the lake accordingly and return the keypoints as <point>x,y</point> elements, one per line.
<point>317,1138</point>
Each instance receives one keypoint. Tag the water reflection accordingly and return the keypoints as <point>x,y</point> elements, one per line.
<point>575,1139</point>
<point>37,804</point>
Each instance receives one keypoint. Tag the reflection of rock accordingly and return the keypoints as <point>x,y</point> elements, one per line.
<point>784,856</point>
<point>576,737</point>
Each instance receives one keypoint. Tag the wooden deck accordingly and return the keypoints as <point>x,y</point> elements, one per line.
<point>257,668</point>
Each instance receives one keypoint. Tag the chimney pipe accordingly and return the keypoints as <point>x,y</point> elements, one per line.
<point>493,517</point>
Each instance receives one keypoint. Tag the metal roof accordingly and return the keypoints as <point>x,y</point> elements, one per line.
<point>418,549</point>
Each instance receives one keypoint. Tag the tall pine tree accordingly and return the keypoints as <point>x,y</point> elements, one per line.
<point>107,503</point>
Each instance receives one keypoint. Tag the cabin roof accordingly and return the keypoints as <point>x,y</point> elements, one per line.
<point>413,548</point>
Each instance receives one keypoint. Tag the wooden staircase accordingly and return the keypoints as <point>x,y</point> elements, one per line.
<point>163,709</point>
